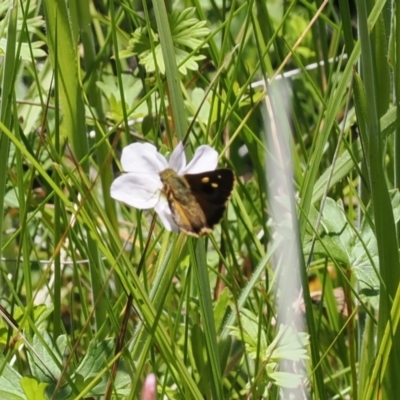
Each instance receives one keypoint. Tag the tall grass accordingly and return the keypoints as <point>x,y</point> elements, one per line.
<point>295,293</point>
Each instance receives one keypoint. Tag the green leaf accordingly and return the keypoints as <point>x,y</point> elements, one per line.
<point>25,52</point>
<point>364,255</point>
<point>95,360</point>
<point>335,235</point>
<point>149,61</point>
<point>288,344</point>
<point>365,261</point>
<point>197,340</point>
<point>190,63</point>
<point>33,389</point>
<point>132,90</point>
<point>43,364</point>
<point>186,31</point>
<point>32,24</point>
<point>249,333</point>
<point>339,242</point>
<point>40,314</point>
<point>140,41</point>
<point>285,379</point>
<point>221,308</point>
<point>10,382</point>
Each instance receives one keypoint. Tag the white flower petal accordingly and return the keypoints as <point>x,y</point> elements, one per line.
<point>137,190</point>
<point>177,160</point>
<point>165,214</point>
<point>205,159</point>
<point>142,158</point>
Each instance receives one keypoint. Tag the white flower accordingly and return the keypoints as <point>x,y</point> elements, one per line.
<point>141,186</point>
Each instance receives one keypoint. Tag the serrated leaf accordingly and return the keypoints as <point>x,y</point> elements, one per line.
<point>288,344</point>
<point>132,89</point>
<point>285,379</point>
<point>249,333</point>
<point>22,11</point>
<point>40,314</point>
<point>186,31</point>
<point>33,389</point>
<point>149,60</point>
<point>31,23</point>
<point>190,33</point>
<point>180,16</point>
<point>140,41</point>
<point>184,24</point>
<point>25,52</point>
<point>190,63</point>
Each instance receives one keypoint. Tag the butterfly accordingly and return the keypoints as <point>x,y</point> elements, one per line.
<point>197,201</point>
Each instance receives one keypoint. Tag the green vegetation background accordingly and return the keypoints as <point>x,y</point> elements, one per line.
<point>94,297</point>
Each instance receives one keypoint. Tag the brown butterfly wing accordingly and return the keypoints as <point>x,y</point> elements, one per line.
<point>211,190</point>
<point>185,210</point>
<point>188,219</point>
